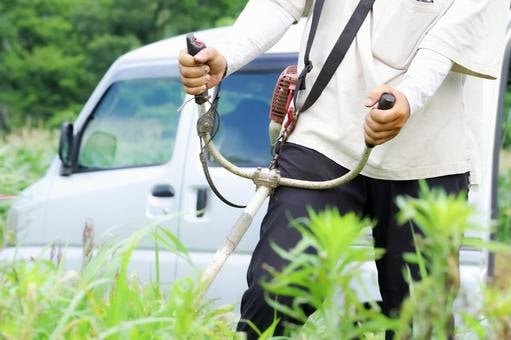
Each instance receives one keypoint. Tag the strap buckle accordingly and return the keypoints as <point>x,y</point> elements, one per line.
<point>306,69</point>
<point>301,78</point>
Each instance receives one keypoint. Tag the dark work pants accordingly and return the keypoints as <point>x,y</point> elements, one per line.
<point>366,196</point>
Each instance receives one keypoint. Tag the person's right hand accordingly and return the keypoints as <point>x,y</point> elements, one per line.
<point>205,70</point>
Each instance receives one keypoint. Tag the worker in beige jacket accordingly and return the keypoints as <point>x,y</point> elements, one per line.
<point>420,51</point>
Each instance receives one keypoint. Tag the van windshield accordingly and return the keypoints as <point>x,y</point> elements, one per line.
<point>134,124</point>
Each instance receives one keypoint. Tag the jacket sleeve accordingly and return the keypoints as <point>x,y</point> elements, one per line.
<point>258,27</point>
<point>295,8</point>
<point>472,34</point>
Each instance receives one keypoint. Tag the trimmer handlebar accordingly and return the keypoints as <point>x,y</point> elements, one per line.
<point>194,46</point>
<point>271,178</point>
<point>386,102</point>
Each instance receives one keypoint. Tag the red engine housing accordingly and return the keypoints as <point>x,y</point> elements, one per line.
<point>283,94</point>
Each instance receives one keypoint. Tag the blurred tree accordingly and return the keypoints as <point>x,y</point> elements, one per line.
<point>53,52</point>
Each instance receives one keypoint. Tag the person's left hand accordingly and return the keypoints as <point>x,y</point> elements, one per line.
<point>382,125</point>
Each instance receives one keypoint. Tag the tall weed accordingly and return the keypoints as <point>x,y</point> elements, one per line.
<point>442,220</point>
<point>39,299</point>
<point>325,280</point>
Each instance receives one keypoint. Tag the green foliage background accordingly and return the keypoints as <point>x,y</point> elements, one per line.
<point>24,158</point>
<point>53,52</point>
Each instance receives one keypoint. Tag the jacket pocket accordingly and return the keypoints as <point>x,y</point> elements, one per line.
<point>399,26</point>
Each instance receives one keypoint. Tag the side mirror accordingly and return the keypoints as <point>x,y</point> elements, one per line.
<point>66,145</point>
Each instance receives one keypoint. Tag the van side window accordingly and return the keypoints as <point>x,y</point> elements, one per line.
<point>244,108</point>
<point>134,124</point>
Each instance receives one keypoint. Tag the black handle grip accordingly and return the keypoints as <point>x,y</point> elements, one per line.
<point>386,102</point>
<point>194,46</point>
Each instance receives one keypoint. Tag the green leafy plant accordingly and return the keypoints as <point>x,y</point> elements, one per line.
<point>442,219</point>
<point>53,52</point>
<point>325,280</point>
<point>497,312</point>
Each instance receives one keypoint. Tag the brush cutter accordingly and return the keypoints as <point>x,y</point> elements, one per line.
<point>265,180</point>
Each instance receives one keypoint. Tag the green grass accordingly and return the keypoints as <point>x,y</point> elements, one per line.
<point>24,157</point>
<point>40,299</point>
<point>504,215</point>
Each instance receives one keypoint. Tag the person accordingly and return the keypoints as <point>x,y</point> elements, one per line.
<point>420,51</point>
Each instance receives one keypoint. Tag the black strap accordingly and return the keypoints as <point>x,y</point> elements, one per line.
<point>336,55</point>
<point>318,7</point>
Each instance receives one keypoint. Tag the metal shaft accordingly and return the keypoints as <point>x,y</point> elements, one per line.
<point>233,239</point>
<point>324,185</point>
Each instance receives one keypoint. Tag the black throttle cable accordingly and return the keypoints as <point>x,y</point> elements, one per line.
<point>205,124</point>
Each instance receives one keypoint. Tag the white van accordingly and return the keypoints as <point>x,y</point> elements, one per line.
<point>131,158</point>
